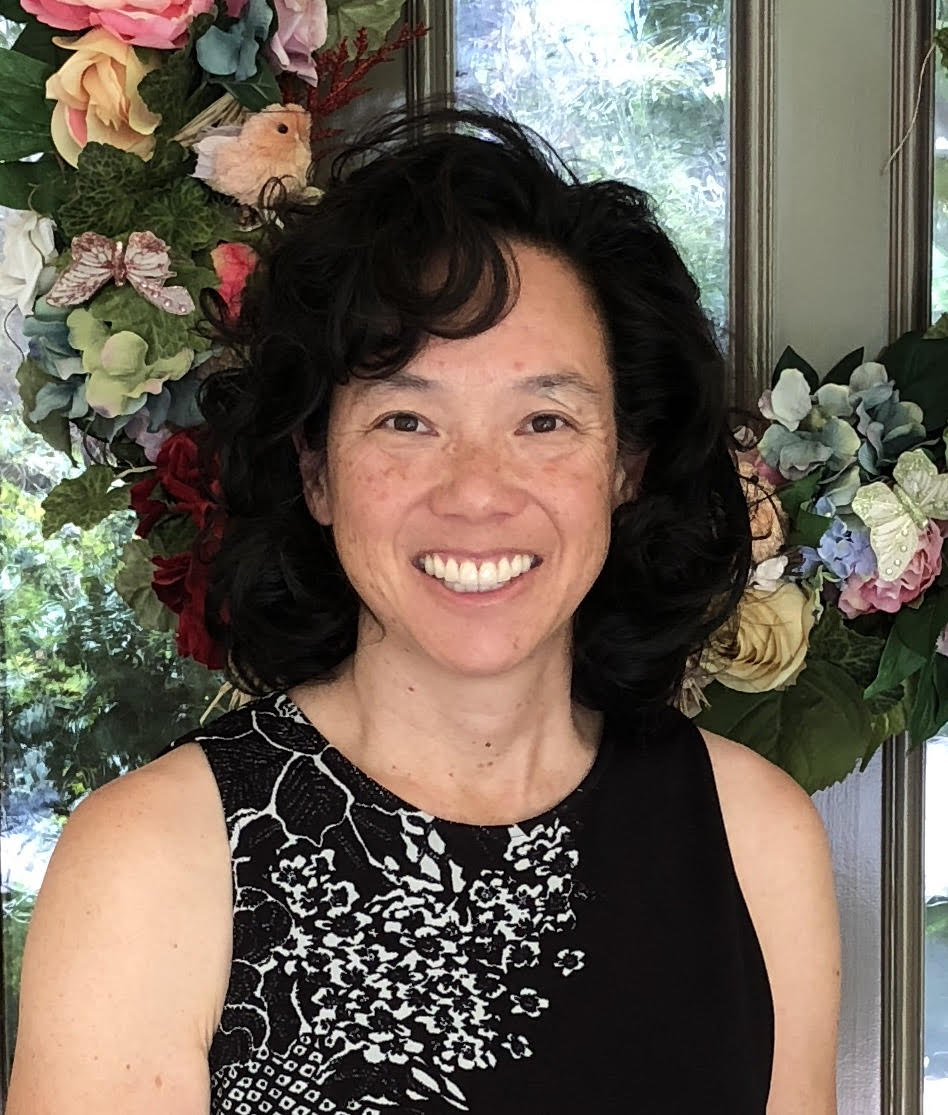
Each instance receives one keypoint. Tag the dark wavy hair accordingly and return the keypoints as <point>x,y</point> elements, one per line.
<point>345,289</point>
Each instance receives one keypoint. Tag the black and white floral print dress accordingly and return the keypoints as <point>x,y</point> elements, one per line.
<point>597,959</point>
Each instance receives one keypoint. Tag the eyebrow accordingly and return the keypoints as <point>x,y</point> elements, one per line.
<point>547,383</point>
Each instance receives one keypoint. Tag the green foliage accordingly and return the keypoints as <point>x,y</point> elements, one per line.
<point>84,500</point>
<point>54,429</point>
<point>791,359</point>
<point>816,730</point>
<point>42,184</point>
<point>256,91</point>
<point>123,308</point>
<point>173,91</point>
<point>24,111</point>
<point>117,193</point>
<point>133,584</point>
<point>918,365</point>
<point>347,17</point>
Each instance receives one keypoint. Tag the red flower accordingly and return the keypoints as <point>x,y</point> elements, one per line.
<point>184,483</point>
<point>180,583</point>
<point>233,264</point>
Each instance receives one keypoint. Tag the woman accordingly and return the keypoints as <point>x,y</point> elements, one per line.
<point>482,508</point>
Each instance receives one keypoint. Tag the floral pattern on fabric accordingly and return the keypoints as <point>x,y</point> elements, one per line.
<point>380,998</point>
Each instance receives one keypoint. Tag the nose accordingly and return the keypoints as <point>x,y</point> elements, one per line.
<point>477,481</point>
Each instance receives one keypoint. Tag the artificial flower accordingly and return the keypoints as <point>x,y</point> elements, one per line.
<point>766,576</point>
<point>97,99</point>
<point>180,583</point>
<point>233,263</point>
<point>845,551</point>
<point>162,24</point>
<point>233,52</point>
<point>28,248</point>
<point>301,29</point>
<point>788,402</point>
<point>861,594</point>
<point>183,482</point>
<point>768,520</point>
<point>771,641</point>
<point>119,375</point>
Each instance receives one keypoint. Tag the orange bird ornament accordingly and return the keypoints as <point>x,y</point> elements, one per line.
<point>239,159</point>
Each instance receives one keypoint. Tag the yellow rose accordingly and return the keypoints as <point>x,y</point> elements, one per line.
<point>772,639</point>
<point>97,97</point>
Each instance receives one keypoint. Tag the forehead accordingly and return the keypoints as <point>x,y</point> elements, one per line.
<point>551,340</point>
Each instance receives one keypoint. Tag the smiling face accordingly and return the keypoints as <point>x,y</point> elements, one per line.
<point>470,495</point>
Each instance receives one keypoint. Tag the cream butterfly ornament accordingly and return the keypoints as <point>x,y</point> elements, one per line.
<point>143,262</point>
<point>895,515</point>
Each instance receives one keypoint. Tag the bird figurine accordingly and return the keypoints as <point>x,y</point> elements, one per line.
<point>239,159</point>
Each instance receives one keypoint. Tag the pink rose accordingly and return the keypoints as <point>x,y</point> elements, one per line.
<point>233,263</point>
<point>157,23</point>
<point>301,28</point>
<point>870,594</point>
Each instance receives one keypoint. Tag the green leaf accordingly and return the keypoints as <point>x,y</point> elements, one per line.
<point>113,188</point>
<point>183,216</point>
<point>172,535</point>
<point>41,185</point>
<point>816,730</point>
<point>166,334</point>
<point>24,111</point>
<point>833,640</point>
<point>793,495</point>
<point>899,661</point>
<point>791,359</point>
<point>841,371</point>
<point>919,368</point>
<point>133,584</point>
<point>167,89</point>
<point>258,91</point>
<point>84,500</point>
<point>54,429</point>
<point>809,528</point>
<point>36,41</point>
<point>347,17</point>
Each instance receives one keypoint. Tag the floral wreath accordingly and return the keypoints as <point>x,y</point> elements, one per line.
<point>135,147</point>
<point>135,139</point>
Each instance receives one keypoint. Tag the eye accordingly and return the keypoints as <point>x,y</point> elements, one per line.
<point>546,423</point>
<point>403,423</point>
<point>282,129</point>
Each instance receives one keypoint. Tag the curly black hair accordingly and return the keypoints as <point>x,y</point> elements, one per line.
<point>344,289</point>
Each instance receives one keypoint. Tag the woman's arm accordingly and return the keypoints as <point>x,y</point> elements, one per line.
<point>122,959</point>
<point>782,858</point>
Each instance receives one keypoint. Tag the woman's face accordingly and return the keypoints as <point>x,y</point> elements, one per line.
<point>489,460</point>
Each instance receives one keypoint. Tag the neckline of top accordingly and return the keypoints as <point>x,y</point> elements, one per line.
<point>572,799</point>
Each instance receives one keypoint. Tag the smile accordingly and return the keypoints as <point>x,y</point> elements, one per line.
<point>470,576</point>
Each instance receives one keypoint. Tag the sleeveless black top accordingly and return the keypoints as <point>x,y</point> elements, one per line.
<point>598,958</point>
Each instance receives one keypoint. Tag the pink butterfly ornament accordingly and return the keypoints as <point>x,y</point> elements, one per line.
<point>144,263</point>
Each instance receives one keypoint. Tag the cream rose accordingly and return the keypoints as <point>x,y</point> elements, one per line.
<point>97,97</point>
<point>768,519</point>
<point>772,640</point>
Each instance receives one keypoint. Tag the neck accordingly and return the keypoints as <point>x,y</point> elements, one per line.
<point>501,744</point>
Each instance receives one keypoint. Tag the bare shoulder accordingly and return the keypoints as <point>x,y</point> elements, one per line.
<point>127,948</point>
<point>782,860</point>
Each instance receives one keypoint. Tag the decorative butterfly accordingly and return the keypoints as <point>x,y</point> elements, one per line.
<point>144,263</point>
<point>895,515</point>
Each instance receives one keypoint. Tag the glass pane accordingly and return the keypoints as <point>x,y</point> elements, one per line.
<point>940,216</point>
<point>633,90</point>
<point>936,928</point>
<point>85,693</point>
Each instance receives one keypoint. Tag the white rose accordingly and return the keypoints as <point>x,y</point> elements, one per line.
<point>28,248</point>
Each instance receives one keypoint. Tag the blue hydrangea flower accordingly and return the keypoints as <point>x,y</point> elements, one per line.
<point>845,550</point>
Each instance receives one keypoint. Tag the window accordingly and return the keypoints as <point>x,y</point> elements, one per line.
<point>637,91</point>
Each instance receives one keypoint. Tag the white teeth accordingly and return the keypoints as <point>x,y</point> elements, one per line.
<point>467,573</point>
<point>466,576</point>
<point>487,575</point>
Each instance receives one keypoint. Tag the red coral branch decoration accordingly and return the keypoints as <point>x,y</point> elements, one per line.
<point>341,79</point>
